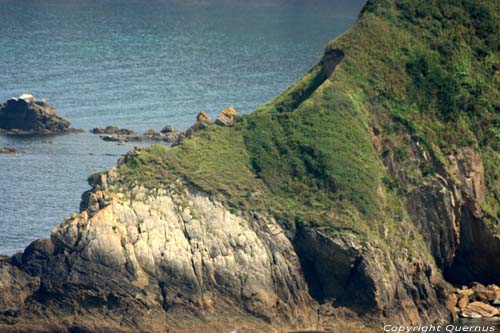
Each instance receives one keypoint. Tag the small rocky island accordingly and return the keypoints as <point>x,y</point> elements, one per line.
<point>28,115</point>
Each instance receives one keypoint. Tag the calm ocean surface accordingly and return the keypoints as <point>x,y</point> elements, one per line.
<point>139,65</point>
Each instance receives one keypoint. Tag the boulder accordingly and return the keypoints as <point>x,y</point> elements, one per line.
<point>27,115</point>
<point>227,117</point>
<point>479,310</point>
<point>172,137</point>
<point>168,129</point>
<point>465,291</point>
<point>170,134</point>
<point>485,294</point>
<point>152,134</point>
<point>203,117</point>
<point>463,301</point>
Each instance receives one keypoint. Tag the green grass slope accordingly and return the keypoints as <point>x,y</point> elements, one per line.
<point>430,67</point>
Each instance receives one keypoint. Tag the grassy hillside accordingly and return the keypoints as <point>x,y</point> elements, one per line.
<point>427,67</point>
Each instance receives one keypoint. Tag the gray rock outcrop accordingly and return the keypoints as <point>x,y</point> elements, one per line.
<point>27,115</point>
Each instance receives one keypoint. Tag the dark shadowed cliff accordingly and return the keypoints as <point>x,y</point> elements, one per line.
<point>360,193</point>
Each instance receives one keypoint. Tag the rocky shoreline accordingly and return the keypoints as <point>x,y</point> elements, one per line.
<point>169,134</point>
<point>25,115</point>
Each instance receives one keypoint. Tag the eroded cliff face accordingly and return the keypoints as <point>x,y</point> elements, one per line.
<point>175,258</point>
<point>150,260</point>
<point>444,199</point>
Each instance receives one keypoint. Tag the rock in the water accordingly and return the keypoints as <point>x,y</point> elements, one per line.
<point>121,138</point>
<point>27,115</point>
<point>168,129</point>
<point>8,150</point>
<point>479,310</point>
<point>152,134</point>
<point>170,134</point>
<point>227,117</point>
<point>116,134</point>
<point>112,130</point>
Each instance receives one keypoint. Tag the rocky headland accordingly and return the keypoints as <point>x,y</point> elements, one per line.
<point>367,193</point>
<point>27,115</point>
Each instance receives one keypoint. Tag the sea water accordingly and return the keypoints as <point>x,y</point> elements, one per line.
<point>140,65</point>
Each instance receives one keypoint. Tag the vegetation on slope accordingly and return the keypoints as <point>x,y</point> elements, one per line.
<point>439,76</point>
<point>428,67</point>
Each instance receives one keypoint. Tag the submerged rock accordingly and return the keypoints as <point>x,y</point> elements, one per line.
<point>27,115</point>
<point>116,134</point>
<point>8,150</point>
<point>152,134</point>
<point>112,130</point>
<point>121,138</point>
<point>168,129</point>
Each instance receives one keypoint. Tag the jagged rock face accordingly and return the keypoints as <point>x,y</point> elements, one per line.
<point>15,287</point>
<point>145,260</point>
<point>26,114</point>
<point>342,272</point>
<point>330,60</point>
<point>160,254</point>
<point>445,205</point>
<point>198,252</point>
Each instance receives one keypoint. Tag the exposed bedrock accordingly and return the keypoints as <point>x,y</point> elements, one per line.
<point>147,260</point>
<point>146,257</point>
<point>342,272</point>
<point>444,200</point>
